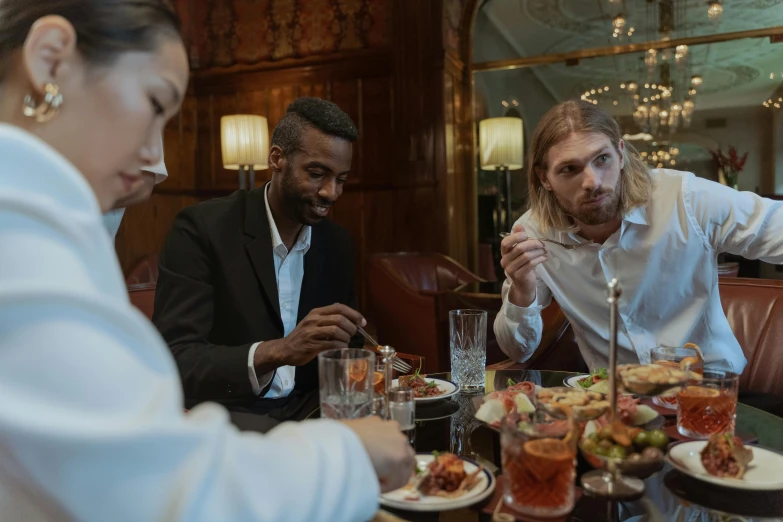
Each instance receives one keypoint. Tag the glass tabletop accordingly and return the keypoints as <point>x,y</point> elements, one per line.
<point>450,426</point>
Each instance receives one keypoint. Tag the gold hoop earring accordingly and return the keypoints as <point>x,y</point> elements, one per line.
<point>48,108</point>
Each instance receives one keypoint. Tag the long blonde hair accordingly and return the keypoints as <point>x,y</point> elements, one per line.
<point>635,185</point>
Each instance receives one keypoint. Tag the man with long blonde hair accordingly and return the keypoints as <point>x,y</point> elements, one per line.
<point>657,231</point>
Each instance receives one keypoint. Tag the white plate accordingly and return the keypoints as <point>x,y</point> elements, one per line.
<point>762,474</point>
<point>571,382</point>
<point>481,490</point>
<point>448,387</point>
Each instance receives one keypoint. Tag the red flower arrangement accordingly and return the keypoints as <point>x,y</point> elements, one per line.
<point>730,164</point>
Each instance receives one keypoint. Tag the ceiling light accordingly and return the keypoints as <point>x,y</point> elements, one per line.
<point>618,22</point>
<point>714,10</point>
<point>696,81</point>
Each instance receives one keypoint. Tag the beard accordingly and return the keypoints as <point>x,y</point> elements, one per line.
<point>592,215</point>
<point>299,207</point>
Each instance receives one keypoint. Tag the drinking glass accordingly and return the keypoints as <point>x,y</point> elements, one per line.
<point>346,383</point>
<point>708,406</point>
<point>539,465</point>
<point>672,356</point>
<point>468,339</point>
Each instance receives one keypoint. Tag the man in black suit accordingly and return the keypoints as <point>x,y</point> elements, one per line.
<point>254,285</point>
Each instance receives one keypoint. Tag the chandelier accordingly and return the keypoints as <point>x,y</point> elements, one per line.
<point>665,105</point>
<point>773,103</point>
<point>660,157</point>
<point>714,11</point>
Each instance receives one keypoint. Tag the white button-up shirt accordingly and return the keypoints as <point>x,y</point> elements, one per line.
<point>665,258</point>
<point>98,432</point>
<point>289,271</point>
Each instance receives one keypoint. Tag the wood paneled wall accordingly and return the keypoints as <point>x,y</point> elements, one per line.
<point>408,91</point>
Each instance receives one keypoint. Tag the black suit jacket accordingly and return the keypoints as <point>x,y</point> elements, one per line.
<point>217,293</point>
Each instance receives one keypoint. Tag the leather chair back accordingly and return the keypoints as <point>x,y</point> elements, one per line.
<point>142,296</point>
<point>754,308</point>
<point>402,290</point>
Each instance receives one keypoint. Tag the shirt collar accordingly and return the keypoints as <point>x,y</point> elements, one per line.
<point>302,243</point>
<point>637,216</point>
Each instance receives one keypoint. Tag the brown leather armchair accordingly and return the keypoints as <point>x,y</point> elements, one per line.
<point>754,308</point>
<point>403,289</point>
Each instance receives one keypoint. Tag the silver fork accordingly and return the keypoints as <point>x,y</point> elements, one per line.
<point>567,247</point>
<point>398,364</point>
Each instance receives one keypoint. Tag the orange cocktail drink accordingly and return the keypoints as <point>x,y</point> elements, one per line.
<point>708,406</point>
<point>539,466</point>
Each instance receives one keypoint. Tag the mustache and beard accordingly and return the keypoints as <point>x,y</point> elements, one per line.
<point>299,205</point>
<point>591,214</point>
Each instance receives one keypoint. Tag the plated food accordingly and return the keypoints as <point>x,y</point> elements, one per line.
<point>761,474</point>
<point>426,389</point>
<point>726,456</point>
<point>446,477</point>
<point>443,481</point>
<point>635,451</point>
<point>597,381</point>
<point>585,405</point>
<point>421,387</point>
<point>652,379</point>
<point>514,399</point>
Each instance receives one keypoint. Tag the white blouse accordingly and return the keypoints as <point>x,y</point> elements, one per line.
<point>91,417</point>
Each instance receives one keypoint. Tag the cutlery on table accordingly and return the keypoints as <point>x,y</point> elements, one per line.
<point>398,364</point>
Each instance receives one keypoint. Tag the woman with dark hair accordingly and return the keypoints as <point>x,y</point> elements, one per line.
<point>91,418</point>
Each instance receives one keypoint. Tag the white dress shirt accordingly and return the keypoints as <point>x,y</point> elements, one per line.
<point>289,271</point>
<point>98,432</point>
<point>665,258</point>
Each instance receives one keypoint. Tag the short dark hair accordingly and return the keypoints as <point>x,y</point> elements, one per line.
<point>104,28</point>
<point>311,112</point>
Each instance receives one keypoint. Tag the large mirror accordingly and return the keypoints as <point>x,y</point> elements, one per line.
<point>676,106</point>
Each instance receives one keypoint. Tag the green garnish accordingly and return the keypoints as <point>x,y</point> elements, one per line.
<point>436,454</point>
<point>585,383</point>
<point>601,373</point>
<point>431,384</point>
<point>730,440</point>
<point>510,382</point>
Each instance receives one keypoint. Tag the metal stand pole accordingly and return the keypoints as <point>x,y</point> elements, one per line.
<point>499,219</point>
<point>508,198</point>
<point>612,484</point>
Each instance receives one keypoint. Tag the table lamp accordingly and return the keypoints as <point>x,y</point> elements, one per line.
<point>244,140</point>
<point>501,146</point>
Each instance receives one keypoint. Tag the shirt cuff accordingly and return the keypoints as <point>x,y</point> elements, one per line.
<point>257,384</point>
<point>519,313</point>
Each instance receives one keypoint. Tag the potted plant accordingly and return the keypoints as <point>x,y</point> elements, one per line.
<point>729,165</point>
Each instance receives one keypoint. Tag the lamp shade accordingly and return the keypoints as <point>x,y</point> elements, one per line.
<point>501,143</point>
<point>244,140</point>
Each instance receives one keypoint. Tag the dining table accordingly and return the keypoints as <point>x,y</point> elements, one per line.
<point>449,425</point>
